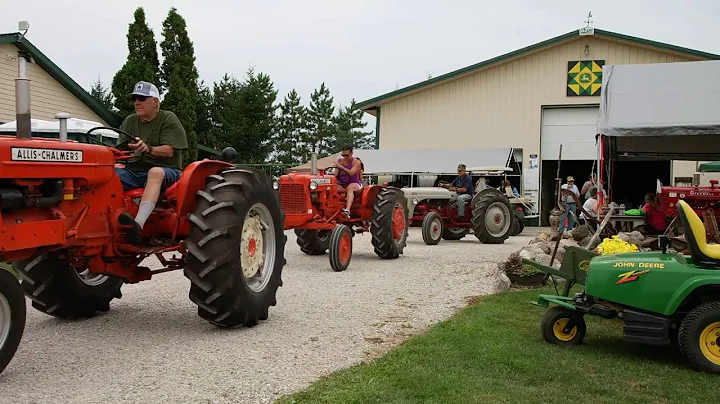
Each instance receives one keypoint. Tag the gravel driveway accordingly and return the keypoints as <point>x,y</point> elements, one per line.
<point>152,346</point>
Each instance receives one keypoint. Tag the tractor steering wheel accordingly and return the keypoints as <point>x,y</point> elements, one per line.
<point>122,155</point>
<point>441,183</point>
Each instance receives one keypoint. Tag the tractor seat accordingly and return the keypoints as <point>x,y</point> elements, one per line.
<point>702,253</point>
<point>137,192</point>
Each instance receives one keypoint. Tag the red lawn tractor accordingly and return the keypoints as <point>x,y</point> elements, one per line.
<point>60,205</point>
<point>312,204</point>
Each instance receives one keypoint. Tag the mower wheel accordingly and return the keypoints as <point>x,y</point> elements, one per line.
<point>235,248</point>
<point>432,228</point>
<point>699,337</point>
<point>58,289</point>
<point>552,324</point>
<point>515,227</point>
<point>389,227</point>
<point>454,234</point>
<point>341,240</point>
<point>491,216</point>
<point>12,317</point>
<point>313,242</point>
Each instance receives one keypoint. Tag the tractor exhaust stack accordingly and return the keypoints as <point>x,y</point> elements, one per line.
<point>313,164</point>
<point>63,117</point>
<point>22,98</point>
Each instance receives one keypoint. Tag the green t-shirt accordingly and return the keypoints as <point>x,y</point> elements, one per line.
<point>164,130</point>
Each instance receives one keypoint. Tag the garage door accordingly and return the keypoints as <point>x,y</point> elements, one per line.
<point>574,128</point>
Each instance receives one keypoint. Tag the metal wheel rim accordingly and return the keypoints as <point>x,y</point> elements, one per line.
<point>494,211</point>
<point>710,342</point>
<point>90,278</point>
<point>257,269</point>
<point>5,320</point>
<point>435,226</point>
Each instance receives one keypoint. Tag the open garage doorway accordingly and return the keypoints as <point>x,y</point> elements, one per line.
<point>579,169</point>
<point>633,179</point>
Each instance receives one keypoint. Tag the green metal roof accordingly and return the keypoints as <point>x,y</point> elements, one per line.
<point>710,167</point>
<point>53,70</point>
<point>373,103</point>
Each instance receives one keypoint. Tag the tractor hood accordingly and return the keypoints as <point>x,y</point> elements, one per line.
<point>428,193</point>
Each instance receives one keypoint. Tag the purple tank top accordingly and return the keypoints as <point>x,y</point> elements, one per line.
<point>345,179</point>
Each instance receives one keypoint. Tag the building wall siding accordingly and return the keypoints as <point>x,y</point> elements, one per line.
<point>47,96</point>
<point>500,106</point>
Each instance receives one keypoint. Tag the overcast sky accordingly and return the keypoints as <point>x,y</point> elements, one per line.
<point>359,48</point>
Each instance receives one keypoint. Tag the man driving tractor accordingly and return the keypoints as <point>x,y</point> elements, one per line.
<point>348,175</point>
<point>462,184</point>
<point>160,138</point>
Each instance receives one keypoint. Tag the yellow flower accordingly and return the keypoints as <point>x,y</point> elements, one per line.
<point>615,245</point>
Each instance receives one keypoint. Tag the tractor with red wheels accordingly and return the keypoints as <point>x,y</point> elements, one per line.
<point>60,227</point>
<point>704,200</point>
<point>312,203</point>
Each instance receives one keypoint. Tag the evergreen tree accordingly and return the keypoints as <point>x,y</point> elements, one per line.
<point>349,123</point>
<point>180,76</point>
<point>142,64</point>
<point>289,148</point>
<point>320,136</point>
<point>203,113</point>
<point>102,95</point>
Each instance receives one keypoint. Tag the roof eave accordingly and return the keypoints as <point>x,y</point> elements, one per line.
<point>61,77</point>
<point>373,103</point>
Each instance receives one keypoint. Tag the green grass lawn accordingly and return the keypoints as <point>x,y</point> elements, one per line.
<point>493,352</point>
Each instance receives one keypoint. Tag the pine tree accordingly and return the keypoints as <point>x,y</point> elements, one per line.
<point>180,76</point>
<point>289,148</point>
<point>320,136</point>
<point>102,95</point>
<point>142,64</point>
<point>348,122</point>
<point>203,113</point>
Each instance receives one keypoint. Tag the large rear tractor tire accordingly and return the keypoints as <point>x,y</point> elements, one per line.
<point>12,317</point>
<point>235,248</point>
<point>491,216</point>
<point>58,289</point>
<point>313,242</point>
<point>432,228</point>
<point>341,243</point>
<point>389,227</point>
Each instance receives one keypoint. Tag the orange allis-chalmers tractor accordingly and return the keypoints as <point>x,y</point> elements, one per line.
<point>312,203</point>
<point>60,202</point>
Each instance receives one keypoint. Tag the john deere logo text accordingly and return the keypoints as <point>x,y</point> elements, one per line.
<point>631,276</point>
<point>639,265</point>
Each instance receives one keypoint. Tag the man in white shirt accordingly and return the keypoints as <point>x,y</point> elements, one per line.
<point>571,205</point>
<point>591,205</point>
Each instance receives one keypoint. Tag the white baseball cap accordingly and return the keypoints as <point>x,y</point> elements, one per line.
<point>146,89</point>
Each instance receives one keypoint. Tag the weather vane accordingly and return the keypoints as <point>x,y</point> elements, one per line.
<point>588,29</point>
<point>588,20</point>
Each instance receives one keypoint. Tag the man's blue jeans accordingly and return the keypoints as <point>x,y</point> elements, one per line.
<point>571,207</point>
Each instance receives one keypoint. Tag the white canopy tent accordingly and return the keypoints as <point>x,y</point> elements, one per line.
<point>662,111</point>
<point>76,126</point>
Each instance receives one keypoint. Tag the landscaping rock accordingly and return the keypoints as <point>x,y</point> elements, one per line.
<point>636,238</point>
<point>624,237</point>
<point>543,259</point>
<point>568,243</point>
<point>528,253</point>
<point>580,232</point>
<point>498,280</point>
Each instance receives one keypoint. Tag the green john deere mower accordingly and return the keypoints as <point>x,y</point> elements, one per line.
<point>664,298</point>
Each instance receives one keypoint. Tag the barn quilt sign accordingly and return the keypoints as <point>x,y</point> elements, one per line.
<point>584,77</point>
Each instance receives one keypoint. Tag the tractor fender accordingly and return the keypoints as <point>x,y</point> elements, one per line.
<point>686,289</point>
<point>193,180</point>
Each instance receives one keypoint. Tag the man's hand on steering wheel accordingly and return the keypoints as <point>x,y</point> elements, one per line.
<point>140,146</point>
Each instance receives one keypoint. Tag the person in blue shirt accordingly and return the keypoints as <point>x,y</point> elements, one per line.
<point>462,184</point>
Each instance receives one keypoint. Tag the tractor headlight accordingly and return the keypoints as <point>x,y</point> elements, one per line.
<point>276,185</point>
<point>415,201</point>
<point>313,185</point>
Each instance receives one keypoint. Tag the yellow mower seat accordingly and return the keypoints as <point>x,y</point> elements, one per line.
<point>702,253</point>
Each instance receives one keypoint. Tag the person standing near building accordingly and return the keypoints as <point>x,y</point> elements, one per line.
<point>571,204</point>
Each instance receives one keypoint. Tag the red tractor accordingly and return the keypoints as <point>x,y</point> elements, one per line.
<point>60,202</point>
<point>312,204</point>
<point>705,201</point>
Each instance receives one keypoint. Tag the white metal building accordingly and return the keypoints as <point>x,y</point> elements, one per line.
<point>533,99</point>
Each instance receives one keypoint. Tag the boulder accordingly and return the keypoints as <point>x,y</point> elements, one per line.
<point>495,276</point>
<point>568,243</point>
<point>624,237</point>
<point>636,238</point>
<point>528,254</point>
<point>543,259</point>
<point>580,232</point>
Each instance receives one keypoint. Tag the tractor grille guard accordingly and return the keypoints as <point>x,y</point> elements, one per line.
<point>293,199</point>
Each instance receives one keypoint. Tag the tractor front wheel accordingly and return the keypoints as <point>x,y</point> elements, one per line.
<point>553,322</point>
<point>453,234</point>
<point>389,227</point>
<point>313,242</point>
<point>699,337</point>
<point>12,317</point>
<point>58,289</point>
<point>432,228</point>
<point>235,248</point>
<point>491,217</point>
<point>341,239</point>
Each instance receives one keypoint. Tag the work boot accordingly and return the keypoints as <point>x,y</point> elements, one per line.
<point>133,234</point>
